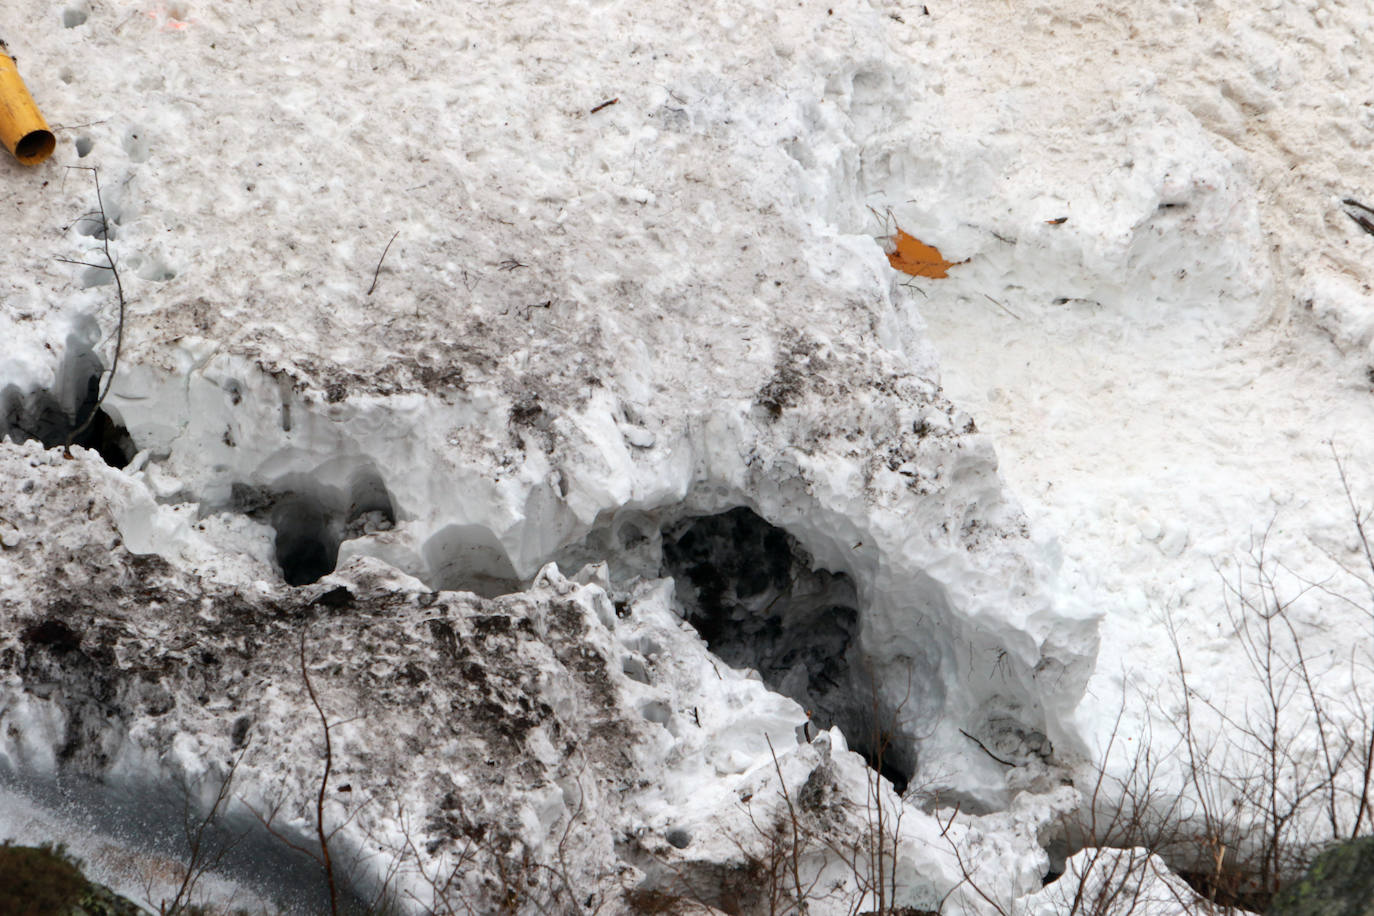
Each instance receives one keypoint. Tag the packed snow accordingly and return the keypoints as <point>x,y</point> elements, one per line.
<point>531,381</point>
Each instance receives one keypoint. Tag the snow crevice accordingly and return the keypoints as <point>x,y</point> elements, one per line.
<point>52,415</point>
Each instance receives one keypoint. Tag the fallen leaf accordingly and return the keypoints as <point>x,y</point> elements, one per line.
<point>912,256</point>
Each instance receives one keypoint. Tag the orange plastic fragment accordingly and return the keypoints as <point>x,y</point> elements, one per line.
<point>912,256</point>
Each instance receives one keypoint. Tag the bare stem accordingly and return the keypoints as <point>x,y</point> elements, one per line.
<point>113,268</point>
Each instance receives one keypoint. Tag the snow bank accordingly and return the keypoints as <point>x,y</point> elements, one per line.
<point>583,313</point>
<point>555,725</point>
<point>635,282</point>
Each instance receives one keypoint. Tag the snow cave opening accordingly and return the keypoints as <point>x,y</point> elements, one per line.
<point>307,541</point>
<point>52,416</point>
<point>311,519</point>
<point>750,589</point>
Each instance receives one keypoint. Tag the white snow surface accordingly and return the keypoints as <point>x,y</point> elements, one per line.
<point>1157,345</point>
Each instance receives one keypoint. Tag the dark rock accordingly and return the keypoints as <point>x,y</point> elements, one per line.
<point>44,880</point>
<point>1339,883</point>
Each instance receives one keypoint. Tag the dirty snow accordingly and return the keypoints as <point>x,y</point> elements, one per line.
<point>677,305</point>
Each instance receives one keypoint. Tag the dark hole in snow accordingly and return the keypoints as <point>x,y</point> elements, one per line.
<point>52,416</point>
<point>54,634</point>
<point>656,712</point>
<point>239,735</point>
<point>307,545</point>
<point>680,838</point>
<point>336,597</point>
<point>749,589</point>
<point>312,519</point>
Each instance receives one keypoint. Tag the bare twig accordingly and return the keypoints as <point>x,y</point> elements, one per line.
<point>1363,222</point>
<point>113,268</point>
<point>984,748</point>
<point>1352,202</point>
<point>794,853</point>
<point>324,857</point>
<point>204,855</point>
<point>323,836</point>
<point>1001,306</point>
<point>378,271</point>
<point>1360,219</point>
<point>78,126</point>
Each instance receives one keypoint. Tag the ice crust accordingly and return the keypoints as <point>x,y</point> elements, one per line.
<point>666,309</point>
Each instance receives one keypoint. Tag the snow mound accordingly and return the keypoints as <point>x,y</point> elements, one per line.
<point>594,737</point>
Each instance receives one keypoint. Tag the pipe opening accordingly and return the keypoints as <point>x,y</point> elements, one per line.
<point>35,146</point>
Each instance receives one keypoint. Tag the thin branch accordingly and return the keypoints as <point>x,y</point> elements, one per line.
<point>1001,306</point>
<point>268,822</point>
<point>203,858</point>
<point>324,783</point>
<point>82,263</point>
<point>1352,202</point>
<point>1354,510</point>
<point>378,271</point>
<point>77,126</point>
<point>984,748</point>
<point>119,328</point>
<point>795,852</point>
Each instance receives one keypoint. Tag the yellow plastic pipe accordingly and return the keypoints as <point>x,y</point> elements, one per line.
<point>22,128</point>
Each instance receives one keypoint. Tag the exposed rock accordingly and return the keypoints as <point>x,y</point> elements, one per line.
<point>1340,882</point>
<point>44,881</point>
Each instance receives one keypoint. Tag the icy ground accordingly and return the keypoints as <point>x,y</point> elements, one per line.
<point>658,345</point>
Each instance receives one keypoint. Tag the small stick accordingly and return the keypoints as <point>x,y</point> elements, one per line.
<point>119,294</point>
<point>1001,306</point>
<point>379,262</point>
<point>324,856</point>
<point>1363,221</point>
<point>984,748</point>
<point>606,104</point>
<point>75,126</point>
<point>1352,202</point>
